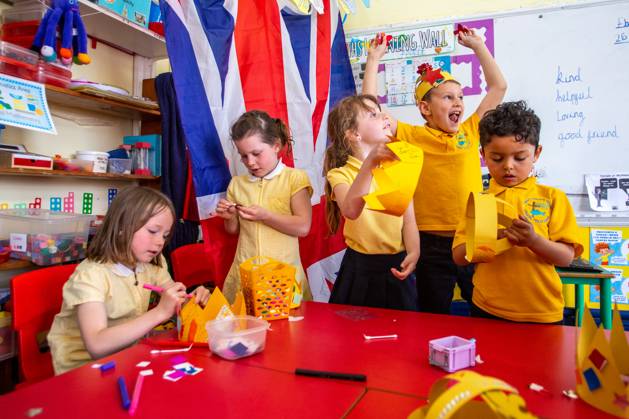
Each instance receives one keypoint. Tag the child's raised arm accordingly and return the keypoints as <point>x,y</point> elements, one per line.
<point>375,52</point>
<point>102,340</point>
<point>296,224</point>
<point>496,83</point>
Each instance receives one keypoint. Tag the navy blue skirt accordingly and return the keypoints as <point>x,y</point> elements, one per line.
<point>366,280</point>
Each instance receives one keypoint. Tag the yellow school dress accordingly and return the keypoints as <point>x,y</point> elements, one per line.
<point>450,172</point>
<point>517,284</point>
<point>114,285</point>
<point>273,192</point>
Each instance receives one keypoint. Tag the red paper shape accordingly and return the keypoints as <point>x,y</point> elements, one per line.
<point>432,76</point>
<point>598,359</point>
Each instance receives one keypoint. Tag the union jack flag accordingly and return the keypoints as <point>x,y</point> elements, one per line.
<point>230,56</point>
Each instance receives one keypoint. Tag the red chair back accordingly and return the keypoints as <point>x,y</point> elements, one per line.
<point>193,266</point>
<point>36,299</point>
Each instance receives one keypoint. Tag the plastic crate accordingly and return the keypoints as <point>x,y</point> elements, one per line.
<point>17,61</point>
<point>43,236</point>
<point>452,353</point>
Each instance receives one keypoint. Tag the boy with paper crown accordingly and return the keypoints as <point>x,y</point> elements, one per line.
<point>521,283</point>
<point>451,167</point>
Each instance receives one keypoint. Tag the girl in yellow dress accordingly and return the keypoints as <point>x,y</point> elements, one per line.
<point>269,208</point>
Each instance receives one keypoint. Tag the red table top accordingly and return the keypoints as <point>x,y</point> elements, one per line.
<point>330,337</point>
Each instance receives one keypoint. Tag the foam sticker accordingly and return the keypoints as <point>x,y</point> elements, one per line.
<point>55,203</point>
<point>88,199</point>
<point>68,203</point>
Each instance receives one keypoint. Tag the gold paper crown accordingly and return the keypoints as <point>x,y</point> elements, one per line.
<point>193,318</point>
<point>601,365</point>
<point>466,394</point>
<point>429,78</point>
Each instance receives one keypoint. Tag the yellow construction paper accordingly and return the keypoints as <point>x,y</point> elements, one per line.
<point>472,396</point>
<point>483,215</point>
<point>193,317</point>
<point>396,180</point>
<point>612,396</point>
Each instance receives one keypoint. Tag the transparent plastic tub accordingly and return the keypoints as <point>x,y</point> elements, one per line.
<point>44,237</point>
<point>237,337</point>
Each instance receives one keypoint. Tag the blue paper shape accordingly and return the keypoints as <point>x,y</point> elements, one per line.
<point>592,379</point>
<point>239,349</point>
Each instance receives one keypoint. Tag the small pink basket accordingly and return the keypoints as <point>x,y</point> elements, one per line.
<point>452,353</point>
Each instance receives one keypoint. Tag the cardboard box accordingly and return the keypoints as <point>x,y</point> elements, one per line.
<point>137,11</point>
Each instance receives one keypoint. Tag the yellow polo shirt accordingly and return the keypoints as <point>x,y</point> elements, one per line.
<point>518,285</point>
<point>450,172</point>
<point>372,232</point>
<point>107,283</point>
<point>273,192</point>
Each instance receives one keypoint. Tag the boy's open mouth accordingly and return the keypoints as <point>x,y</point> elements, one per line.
<point>454,116</point>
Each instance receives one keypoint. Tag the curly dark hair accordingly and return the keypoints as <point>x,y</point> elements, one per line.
<point>511,118</point>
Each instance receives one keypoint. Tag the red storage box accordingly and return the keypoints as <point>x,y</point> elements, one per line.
<point>17,61</point>
<point>20,33</point>
<point>53,73</point>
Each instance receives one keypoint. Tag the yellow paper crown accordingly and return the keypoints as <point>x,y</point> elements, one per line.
<point>396,180</point>
<point>429,78</point>
<point>483,215</point>
<point>601,363</point>
<point>193,318</point>
<point>466,394</point>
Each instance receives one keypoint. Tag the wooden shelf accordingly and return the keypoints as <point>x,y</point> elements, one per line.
<point>80,175</point>
<point>79,100</point>
<point>103,24</point>
<point>12,264</point>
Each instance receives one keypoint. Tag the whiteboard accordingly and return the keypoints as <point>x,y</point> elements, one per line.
<point>571,65</point>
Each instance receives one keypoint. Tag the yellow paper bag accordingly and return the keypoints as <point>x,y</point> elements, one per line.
<point>269,286</point>
<point>484,213</point>
<point>396,180</point>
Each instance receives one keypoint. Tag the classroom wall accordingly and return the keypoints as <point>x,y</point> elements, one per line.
<point>383,13</point>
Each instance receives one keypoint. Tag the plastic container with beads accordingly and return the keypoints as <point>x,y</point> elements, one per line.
<point>44,237</point>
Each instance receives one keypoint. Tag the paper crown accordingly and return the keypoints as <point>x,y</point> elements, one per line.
<point>466,394</point>
<point>429,78</point>
<point>396,180</point>
<point>601,365</point>
<point>483,215</point>
<point>193,318</point>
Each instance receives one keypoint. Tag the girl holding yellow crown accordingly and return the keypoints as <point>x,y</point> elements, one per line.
<point>451,167</point>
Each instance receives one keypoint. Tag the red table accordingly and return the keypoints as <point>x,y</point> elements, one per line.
<point>329,338</point>
<point>517,353</point>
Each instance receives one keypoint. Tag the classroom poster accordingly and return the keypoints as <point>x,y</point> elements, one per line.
<point>609,248</point>
<point>23,104</point>
<point>608,192</point>
<point>398,69</point>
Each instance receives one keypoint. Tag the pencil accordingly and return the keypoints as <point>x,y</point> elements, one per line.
<point>160,289</point>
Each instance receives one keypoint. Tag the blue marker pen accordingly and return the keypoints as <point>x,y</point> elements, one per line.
<point>124,394</point>
<point>108,366</point>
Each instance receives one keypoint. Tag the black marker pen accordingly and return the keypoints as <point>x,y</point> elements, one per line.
<point>331,374</point>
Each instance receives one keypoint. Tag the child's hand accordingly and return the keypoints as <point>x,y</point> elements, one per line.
<point>226,209</point>
<point>521,232</point>
<point>201,295</point>
<point>254,213</point>
<point>379,154</point>
<point>469,38</point>
<point>377,47</point>
<point>171,299</point>
<point>408,266</point>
